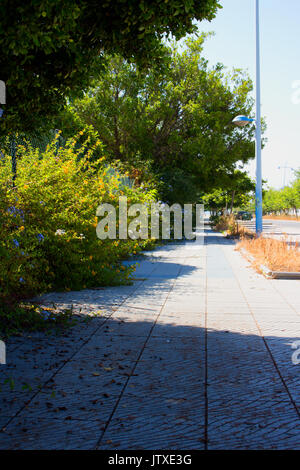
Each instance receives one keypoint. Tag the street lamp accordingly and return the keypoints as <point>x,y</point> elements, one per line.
<point>284,172</point>
<point>242,121</point>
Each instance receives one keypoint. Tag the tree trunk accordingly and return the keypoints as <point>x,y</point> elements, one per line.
<point>232,201</point>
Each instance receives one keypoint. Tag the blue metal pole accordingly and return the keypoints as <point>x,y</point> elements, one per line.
<point>258,191</point>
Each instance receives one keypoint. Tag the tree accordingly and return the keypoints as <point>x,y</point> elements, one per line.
<point>237,191</point>
<point>290,198</point>
<point>272,201</point>
<point>178,117</point>
<point>283,200</point>
<point>50,49</point>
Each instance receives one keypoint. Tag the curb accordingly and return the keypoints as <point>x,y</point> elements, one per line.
<point>268,273</point>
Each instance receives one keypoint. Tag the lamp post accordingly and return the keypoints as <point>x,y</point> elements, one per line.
<point>242,121</point>
<point>258,190</point>
<point>284,168</point>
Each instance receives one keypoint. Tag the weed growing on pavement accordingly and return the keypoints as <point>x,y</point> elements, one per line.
<point>32,318</point>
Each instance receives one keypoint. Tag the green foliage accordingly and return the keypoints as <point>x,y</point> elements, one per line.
<point>214,219</point>
<point>14,321</point>
<point>178,118</point>
<point>48,224</point>
<point>52,49</point>
<point>283,200</point>
<point>236,191</point>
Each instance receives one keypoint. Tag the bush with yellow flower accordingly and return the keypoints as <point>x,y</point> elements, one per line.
<point>48,239</point>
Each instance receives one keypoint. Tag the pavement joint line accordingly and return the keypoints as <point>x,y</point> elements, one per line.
<point>2,429</point>
<point>140,308</point>
<point>135,365</point>
<point>265,343</point>
<point>285,299</point>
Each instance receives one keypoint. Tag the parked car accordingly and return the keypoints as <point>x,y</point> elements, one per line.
<point>244,215</point>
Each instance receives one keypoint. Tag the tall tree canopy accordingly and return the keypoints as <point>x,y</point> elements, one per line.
<point>179,119</point>
<point>50,49</point>
<point>285,199</point>
<point>236,190</point>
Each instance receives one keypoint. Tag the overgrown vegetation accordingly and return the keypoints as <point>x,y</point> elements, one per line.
<point>277,255</point>
<point>228,224</point>
<point>48,221</point>
<point>31,318</point>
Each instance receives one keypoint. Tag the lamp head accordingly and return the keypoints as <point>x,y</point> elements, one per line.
<point>242,121</point>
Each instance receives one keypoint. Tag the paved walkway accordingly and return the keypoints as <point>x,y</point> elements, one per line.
<point>195,355</point>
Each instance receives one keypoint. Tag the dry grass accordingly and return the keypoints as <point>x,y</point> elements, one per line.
<point>229,225</point>
<point>244,232</point>
<point>282,217</point>
<point>274,254</point>
<point>226,222</point>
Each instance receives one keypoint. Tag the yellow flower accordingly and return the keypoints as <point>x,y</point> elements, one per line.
<point>22,228</point>
<point>94,273</point>
<point>91,257</point>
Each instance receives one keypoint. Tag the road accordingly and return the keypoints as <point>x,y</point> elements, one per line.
<point>290,227</point>
<point>278,229</point>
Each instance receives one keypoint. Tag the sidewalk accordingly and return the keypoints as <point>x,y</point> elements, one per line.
<point>195,355</point>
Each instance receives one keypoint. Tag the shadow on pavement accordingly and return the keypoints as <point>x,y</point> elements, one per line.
<point>141,384</point>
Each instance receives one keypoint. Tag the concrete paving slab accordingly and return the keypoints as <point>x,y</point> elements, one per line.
<point>196,354</point>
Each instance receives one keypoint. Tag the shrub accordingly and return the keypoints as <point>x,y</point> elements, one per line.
<point>228,223</point>
<point>48,225</point>
<point>214,219</point>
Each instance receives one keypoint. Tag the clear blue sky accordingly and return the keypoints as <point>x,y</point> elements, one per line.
<point>234,46</point>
